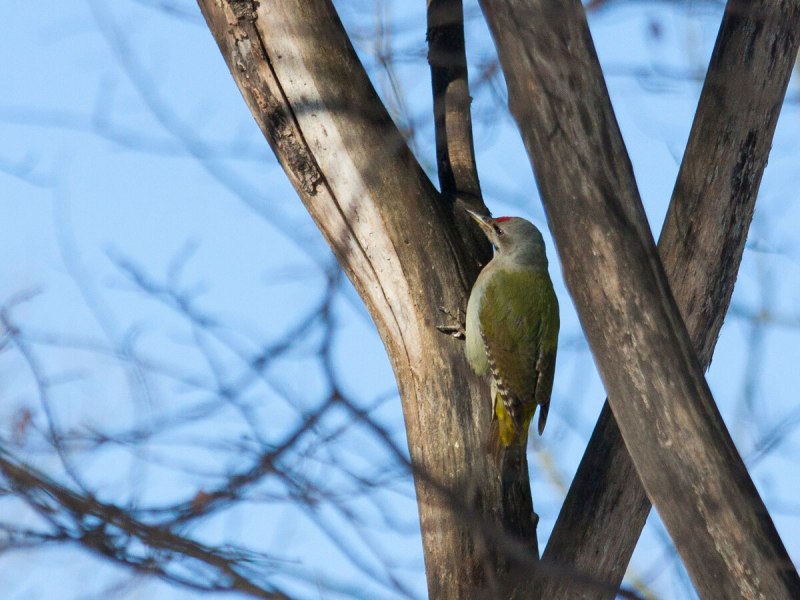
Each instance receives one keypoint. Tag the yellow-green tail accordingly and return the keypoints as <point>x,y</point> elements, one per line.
<point>505,431</point>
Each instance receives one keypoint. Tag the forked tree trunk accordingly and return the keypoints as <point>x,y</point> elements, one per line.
<point>396,239</point>
<point>668,419</point>
<point>399,243</point>
<point>701,246</point>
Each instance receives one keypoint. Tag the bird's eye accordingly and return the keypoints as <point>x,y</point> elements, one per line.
<point>497,230</point>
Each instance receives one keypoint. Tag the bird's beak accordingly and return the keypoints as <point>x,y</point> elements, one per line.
<point>485,222</point>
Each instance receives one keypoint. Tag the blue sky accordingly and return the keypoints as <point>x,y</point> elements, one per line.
<point>125,142</point>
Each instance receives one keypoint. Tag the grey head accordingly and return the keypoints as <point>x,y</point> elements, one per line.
<point>513,238</point>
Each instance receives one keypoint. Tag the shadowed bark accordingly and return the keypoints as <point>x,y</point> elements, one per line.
<point>667,417</point>
<point>701,246</point>
<point>395,237</point>
<point>455,152</point>
<point>458,179</point>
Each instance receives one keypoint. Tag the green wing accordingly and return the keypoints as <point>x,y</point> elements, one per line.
<point>519,325</point>
<point>546,367</point>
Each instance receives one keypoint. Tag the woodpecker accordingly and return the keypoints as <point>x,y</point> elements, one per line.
<point>512,328</point>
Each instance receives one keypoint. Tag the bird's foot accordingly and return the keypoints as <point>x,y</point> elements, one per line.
<point>457,330</point>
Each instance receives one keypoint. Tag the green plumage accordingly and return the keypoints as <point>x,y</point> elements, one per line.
<point>519,325</point>
<point>512,328</point>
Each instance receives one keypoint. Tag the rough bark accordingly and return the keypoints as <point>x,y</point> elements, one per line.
<point>701,247</point>
<point>459,183</point>
<point>395,238</point>
<point>660,400</point>
<point>455,152</point>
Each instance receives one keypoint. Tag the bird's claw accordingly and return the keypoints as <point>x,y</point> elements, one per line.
<point>458,330</point>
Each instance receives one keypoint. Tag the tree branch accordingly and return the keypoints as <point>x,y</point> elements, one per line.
<point>110,531</point>
<point>455,151</point>
<point>394,237</point>
<point>701,246</point>
<point>666,414</point>
<point>458,178</point>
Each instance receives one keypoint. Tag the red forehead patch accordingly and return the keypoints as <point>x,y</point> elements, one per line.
<point>501,219</point>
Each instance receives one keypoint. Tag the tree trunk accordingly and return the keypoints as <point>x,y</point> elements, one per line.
<point>660,400</point>
<point>701,246</point>
<point>395,237</point>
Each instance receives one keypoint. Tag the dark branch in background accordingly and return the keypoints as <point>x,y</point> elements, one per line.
<point>27,170</point>
<point>174,9</point>
<point>701,246</point>
<point>265,471</point>
<point>110,530</point>
<point>262,465</point>
<point>661,401</point>
<point>185,133</point>
<point>595,5</point>
<point>104,123</point>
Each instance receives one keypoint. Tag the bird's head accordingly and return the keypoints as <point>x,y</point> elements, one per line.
<point>512,236</point>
